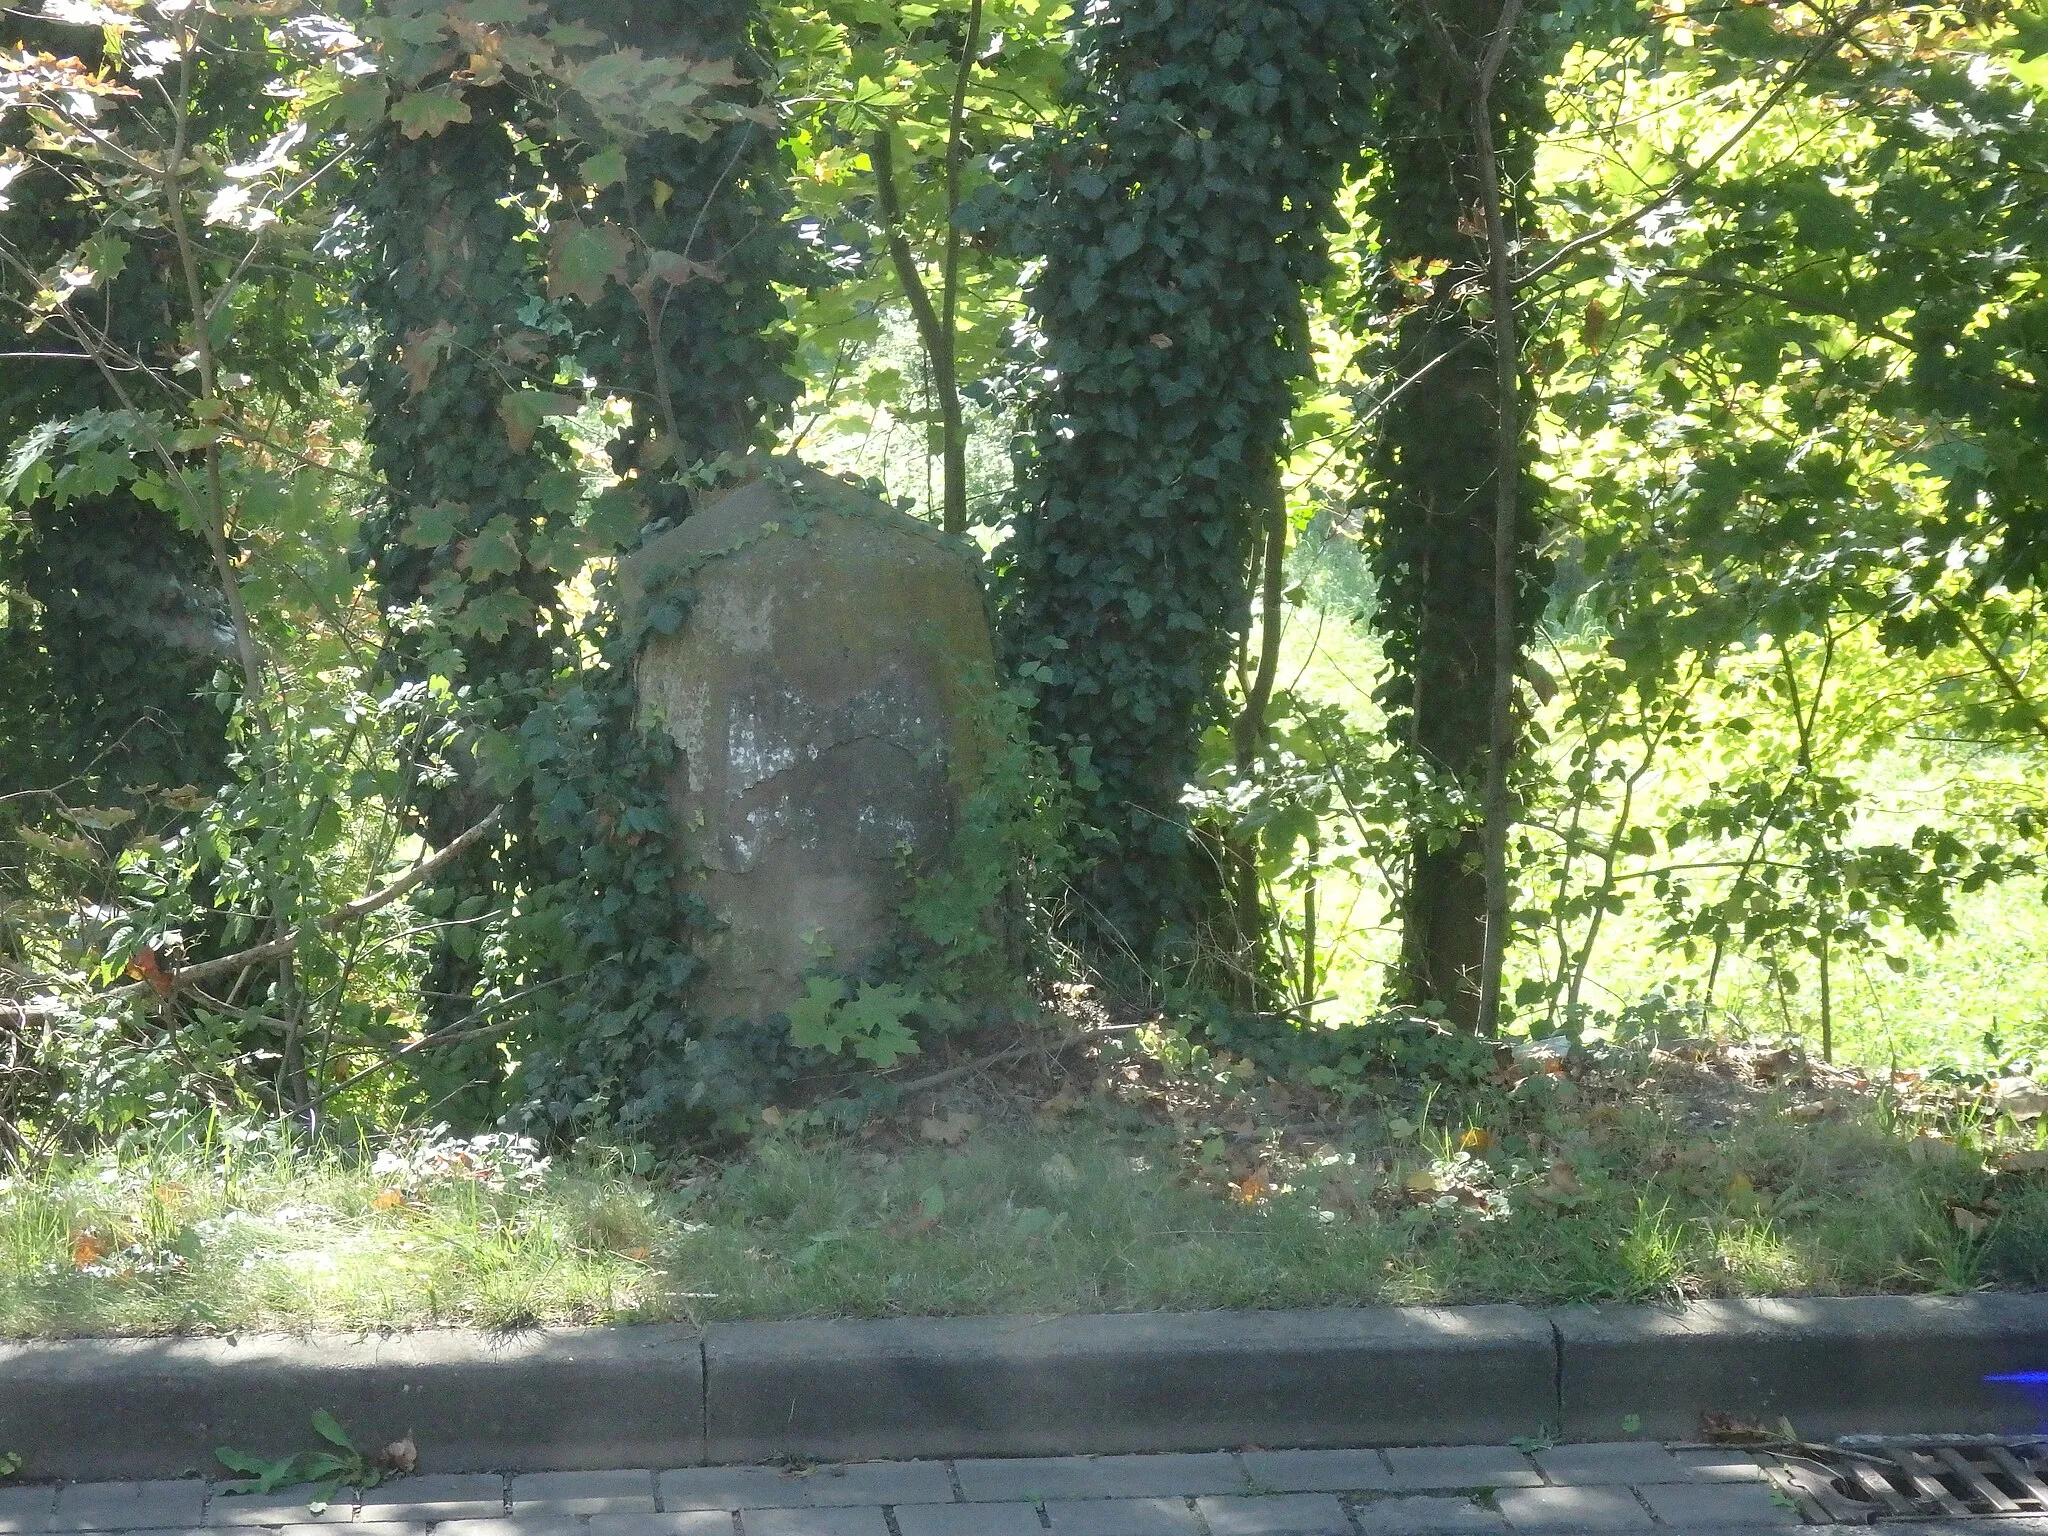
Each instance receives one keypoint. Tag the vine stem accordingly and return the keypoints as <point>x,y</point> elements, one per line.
<point>214,518</point>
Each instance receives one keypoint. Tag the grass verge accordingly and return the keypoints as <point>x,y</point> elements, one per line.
<point>1148,1178</point>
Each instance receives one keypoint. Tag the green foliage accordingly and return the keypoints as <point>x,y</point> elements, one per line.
<point>339,1466</point>
<point>1179,211</point>
<point>988,912</point>
<point>834,1014</point>
<point>1431,468</point>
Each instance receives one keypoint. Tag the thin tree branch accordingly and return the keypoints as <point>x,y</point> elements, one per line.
<point>362,907</point>
<point>1826,44</point>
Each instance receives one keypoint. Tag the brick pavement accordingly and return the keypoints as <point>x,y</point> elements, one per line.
<point>1422,1491</point>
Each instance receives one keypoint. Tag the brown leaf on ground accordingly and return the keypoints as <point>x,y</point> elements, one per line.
<point>400,1456</point>
<point>1561,1183</point>
<point>2020,1097</point>
<point>1729,1429</point>
<point>948,1130</point>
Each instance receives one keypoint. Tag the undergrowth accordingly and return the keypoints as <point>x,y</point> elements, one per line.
<point>1150,1178</point>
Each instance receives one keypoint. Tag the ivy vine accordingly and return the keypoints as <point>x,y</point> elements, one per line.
<point>608,216</point>
<point>1179,213</point>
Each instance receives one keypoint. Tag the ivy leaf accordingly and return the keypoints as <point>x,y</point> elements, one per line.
<point>424,114</point>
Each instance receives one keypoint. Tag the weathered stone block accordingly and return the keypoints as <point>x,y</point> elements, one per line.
<point>818,691</point>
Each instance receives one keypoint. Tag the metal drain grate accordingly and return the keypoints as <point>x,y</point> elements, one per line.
<point>1916,1477</point>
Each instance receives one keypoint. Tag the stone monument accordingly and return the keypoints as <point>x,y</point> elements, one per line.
<point>820,692</point>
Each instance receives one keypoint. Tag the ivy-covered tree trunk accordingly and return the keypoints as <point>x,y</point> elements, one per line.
<point>691,329</point>
<point>1431,491</point>
<point>1179,218</point>
<point>586,220</point>
<point>474,475</point>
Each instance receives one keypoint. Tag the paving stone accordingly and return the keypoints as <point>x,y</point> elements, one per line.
<point>681,1522</point>
<point>1039,1478</point>
<point>1282,1514</point>
<point>449,1496</point>
<point>513,1525</point>
<point>877,1482</point>
<point>1691,1504</point>
<point>286,1506</point>
<point>731,1488</point>
<point>1426,1517</point>
<point>26,1509</point>
<point>387,1528</point>
<point>583,1493</point>
<point>1121,1517</point>
<point>129,1506</point>
<point>1712,1464</point>
<point>968,1520</point>
<point>845,1521</point>
<point>1460,1466</point>
<point>1615,1461</point>
<point>1573,1509</point>
<point>1316,1471</point>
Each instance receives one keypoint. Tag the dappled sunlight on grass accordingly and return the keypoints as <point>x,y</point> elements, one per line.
<point>1184,1184</point>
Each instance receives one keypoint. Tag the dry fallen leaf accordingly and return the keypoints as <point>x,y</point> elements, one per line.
<point>1727,1429</point>
<point>1252,1188</point>
<point>89,1248</point>
<point>387,1200</point>
<point>1928,1148</point>
<point>400,1456</point>
<point>1562,1182</point>
<point>1478,1139</point>
<point>2020,1097</point>
<point>949,1130</point>
<point>1422,1182</point>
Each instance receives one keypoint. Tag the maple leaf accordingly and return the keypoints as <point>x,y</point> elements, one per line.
<point>426,114</point>
<point>583,257</point>
<point>422,354</point>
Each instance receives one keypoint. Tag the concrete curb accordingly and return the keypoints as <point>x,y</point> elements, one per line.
<point>1832,1365</point>
<point>670,1397</point>
<point>1132,1382</point>
<point>144,1408</point>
